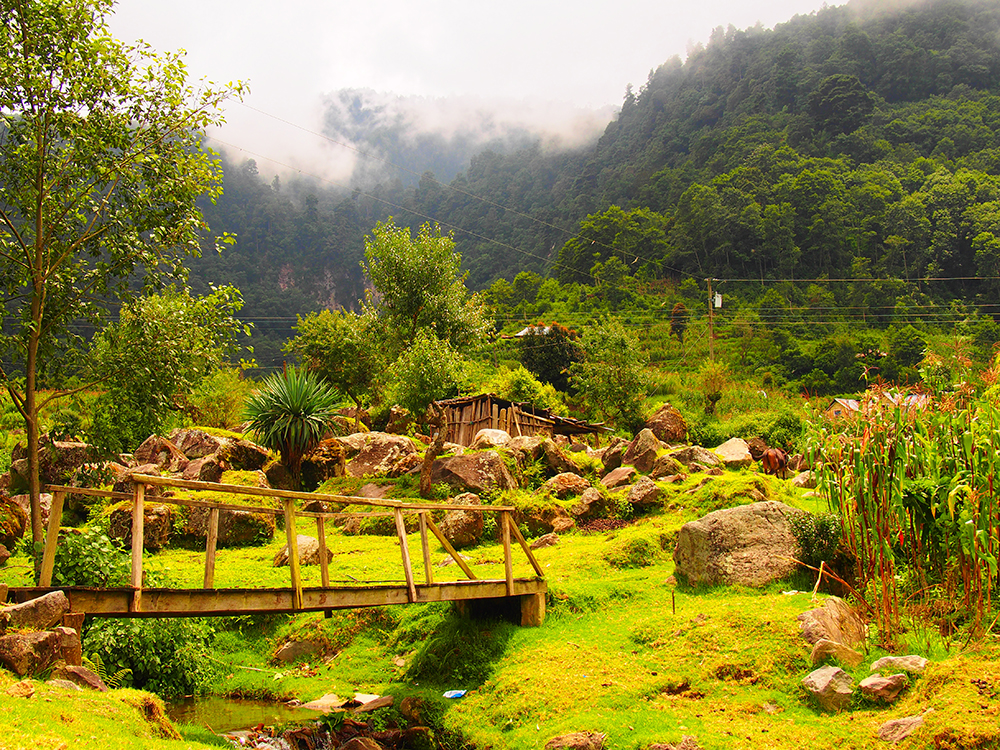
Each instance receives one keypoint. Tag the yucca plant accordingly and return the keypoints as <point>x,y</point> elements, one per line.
<point>290,414</point>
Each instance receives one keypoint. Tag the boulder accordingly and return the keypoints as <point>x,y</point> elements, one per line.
<point>206,469</point>
<point>913,664</point>
<point>668,425</point>
<point>577,741</point>
<point>749,545</point>
<point>4,556</point>
<point>64,685</point>
<point>885,689</point>
<point>80,676</point>
<point>895,730</point>
<point>29,653</point>
<point>805,480</point>
<point>295,650</point>
<point>14,519</point>
<point>379,454</point>
<point>524,449</point>
<point>611,457</point>
<point>242,455</point>
<point>70,645</point>
<point>157,524</point>
<point>641,452</point>
<point>408,464</point>
<point>757,446</point>
<point>644,493</point>
<point>58,462</point>
<point>487,438</point>
<point>556,458</point>
<point>564,485</point>
<point>797,462</point>
<point>695,454</point>
<point>400,420</point>
<point>543,520</point>
<point>473,472</point>
<point>125,484</point>
<point>620,477</point>
<point>326,461</point>
<point>160,452</point>
<point>360,743</point>
<point>196,443</point>
<point>237,528</point>
<point>22,689</point>
<point>735,453</point>
<point>830,686</point>
<point>36,614</point>
<point>463,528</point>
<point>825,649</point>
<point>834,621</point>
<point>308,552</point>
<point>591,504</point>
<point>352,444</point>
<point>546,540</point>
<point>665,466</point>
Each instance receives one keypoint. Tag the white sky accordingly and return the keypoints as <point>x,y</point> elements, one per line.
<point>569,55</point>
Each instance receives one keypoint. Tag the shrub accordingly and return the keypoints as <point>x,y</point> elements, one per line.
<point>818,535</point>
<point>89,558</point>
<point>167,657</point>
<point>633,552</point>
<point>219,399</point>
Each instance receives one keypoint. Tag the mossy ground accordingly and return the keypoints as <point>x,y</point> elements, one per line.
<point>623,650</point>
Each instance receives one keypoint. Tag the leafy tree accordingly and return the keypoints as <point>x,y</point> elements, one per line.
<point>548,351</point>
<point>160,349</point>
<point>101,164</point>
<point>427,371</point>
<point>290,414</point>
<point>610,376</point>
<point>840,103</point>
<point>679,321</point>
<point>418,285</point>
<point>338,347</point>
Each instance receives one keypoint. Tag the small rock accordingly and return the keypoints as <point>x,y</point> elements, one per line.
<point>295,650</point>
<point>896,729</point>
<point>65,685</point>
<point>545,541</point>
<point>383,702</point>
<point>360,743</point>
<point>620,477</point>
<point>825,648</point>
<point>834,621</point>
<point>913,664</point>
<point>308,552</point>
<point>577,741</point>
<point>884,688</point>
<point>22,689</point>
<point>831,686</point>
<point>644,493</point>
<point>81,676</point>
<point>806,480</point>
<point>70,645</point>
<point>589,505</point>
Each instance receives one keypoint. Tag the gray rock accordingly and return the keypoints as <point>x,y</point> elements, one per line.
<point>834,621</point>
<point>473,472</point>
<point>546,540</point>
<point>641,452</point>
<point>308,552</point>
<point>611,457</point>
<point>735,453</point>
<point>81,676</point>
<point>826,649</point>
<point>830,686</point>
<point>488,438</point>
<point>296,650</point>
<point>886,689</point>
<point>590,505</point>
<point>665,466</point>
<point>35,614</point>
<point>556,458</point>
<point>565,485</point>
<point>463,528</point>
<point>668,425</point>
<point>696,455</point>
<point>644,493</point>
<point>195,443</point>
<point>64,684</point>
<point>806,480</point>
<point>913,664</point>
<point>749,545</point>
<point>895,730</point>
<point>620,477</point>
<point>379,454</point>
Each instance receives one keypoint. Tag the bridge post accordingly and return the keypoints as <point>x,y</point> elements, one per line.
<point>508,563</point>
<point>138,518</point>
<point>52,538</point>
<point>425,548</point>
<point>324,564</point>
<point>407,568</point>
<point>293,552</point>
<point>210,544</point>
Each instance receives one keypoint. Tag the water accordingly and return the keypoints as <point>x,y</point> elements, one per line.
<point>231,714</point>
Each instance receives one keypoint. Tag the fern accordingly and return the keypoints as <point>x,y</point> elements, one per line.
<point>95,665</point>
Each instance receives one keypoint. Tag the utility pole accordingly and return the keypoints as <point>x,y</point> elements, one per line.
<point>711,321</point>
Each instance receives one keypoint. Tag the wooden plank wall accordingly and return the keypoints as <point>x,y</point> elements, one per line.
<point>466,421</point>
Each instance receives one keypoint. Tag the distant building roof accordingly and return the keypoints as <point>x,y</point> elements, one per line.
<point>537,330</point>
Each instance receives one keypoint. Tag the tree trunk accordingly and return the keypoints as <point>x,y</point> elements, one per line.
<point>435,449</point>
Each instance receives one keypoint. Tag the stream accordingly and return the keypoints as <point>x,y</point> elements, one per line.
<point>231,714</point>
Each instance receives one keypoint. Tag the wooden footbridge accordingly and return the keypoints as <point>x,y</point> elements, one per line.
<point>140,601</point>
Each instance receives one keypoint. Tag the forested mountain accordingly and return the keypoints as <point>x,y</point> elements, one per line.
<point>859,141</point>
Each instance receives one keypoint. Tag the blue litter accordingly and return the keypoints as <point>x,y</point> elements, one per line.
<point>454,693</point>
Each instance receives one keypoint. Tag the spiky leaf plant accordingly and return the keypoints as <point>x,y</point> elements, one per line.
<point>290,414</point>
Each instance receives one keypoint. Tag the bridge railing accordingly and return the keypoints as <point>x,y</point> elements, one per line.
<point>381,507</point>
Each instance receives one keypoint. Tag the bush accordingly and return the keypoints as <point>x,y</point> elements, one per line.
<point>90,558</point>
<point>818,535</point>
<point>167,657</point>
<point>219,399</point>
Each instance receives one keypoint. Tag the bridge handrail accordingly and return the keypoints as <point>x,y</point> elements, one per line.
<point>396,508</point>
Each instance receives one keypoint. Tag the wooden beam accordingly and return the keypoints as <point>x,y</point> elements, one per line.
<point>451,550</point>
<point>527,550</point>
<point>508,563</point>
<point>138,518</point>
<point>52,538</point>
<point>293,552</point>
<point>425,547</point>
<point>324,563</point>
<point>210,544</point>
<point>54,488</point>
<point>405,549</point>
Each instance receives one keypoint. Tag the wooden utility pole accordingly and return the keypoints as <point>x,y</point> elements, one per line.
<point>711,321</point>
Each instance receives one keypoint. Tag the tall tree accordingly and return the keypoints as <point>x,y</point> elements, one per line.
<point>101,162</point>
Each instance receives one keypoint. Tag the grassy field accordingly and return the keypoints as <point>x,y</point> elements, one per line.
<point>624,651</point>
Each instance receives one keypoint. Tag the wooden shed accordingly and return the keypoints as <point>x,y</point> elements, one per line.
<point>467,415</point>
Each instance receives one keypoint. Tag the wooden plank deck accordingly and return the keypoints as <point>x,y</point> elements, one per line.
<point>155,602</point>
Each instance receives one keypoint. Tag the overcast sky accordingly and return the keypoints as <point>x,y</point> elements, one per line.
<point>570,55</point>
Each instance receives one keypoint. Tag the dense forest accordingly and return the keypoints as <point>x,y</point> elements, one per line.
<point>845,163</point>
